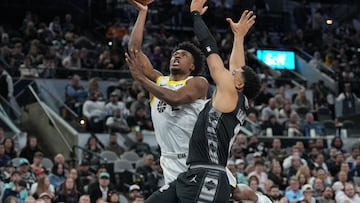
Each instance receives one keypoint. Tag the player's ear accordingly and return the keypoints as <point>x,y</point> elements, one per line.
<point>192,67</point>
<point>239,85</point>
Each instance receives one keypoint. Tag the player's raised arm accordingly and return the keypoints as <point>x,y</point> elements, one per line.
<point>240,29</point>
<point>136,39</point>
<point>225,98</point>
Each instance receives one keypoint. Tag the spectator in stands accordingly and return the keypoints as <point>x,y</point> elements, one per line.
<point>316,61</point>
<point>101,188</point>
<point>348,99</point>
<point>334,167</point>
<point>117,123</point>
<point>43,185</point>
<point>319,161</point>
<point>276,152</point>
<point>271,109</point>
<point>318,187</point>
<point>72,61</point>
<point>264,96</point>
<point>84,199</point>
<point>68,192</point>
<point>116,32</point>
<point>253,124</point>
<point>60,159</point>
<point>140,147</point>
<point>46,197</point>
<point>85,60</point>
<point>55,27</point>
<point>277,176</point>
<point>2,135</point>
<point>15,191</point>
<point>327,196</point>
<point>68,26</point>
<point>240,172</point>
<point>355,170</point>
<point>113,145</point>
<point>310,124</point>
<point>275,194</point>
<point>149,183</point>
<point>6,84</point>
<point>93,86</point>
<point>295,151</point>
<point>348,194</point>
<point>355,151</point>
<point>94,112</point>
<point>85,175</point>
<point>294,193</point>
<point>294,167</point>
<point>25,171</point>
<point>135,89</point>
<point>40,173</point>
<point>285,111</point>
<point>292,127</point>
<point>114,104</point>
<point>15,179</point>
<point>34,54</point>
<point>280,97</point>
<point>27,70</point>
<point>260,173</point>
<point>37,161</point>
<point>301,101</point>
<point>47,68</point>
<point>322,175</point>
<point>254,184</point>
<point>57,175</point>
<point>3,157</point>
<point>272,123</point>
<point>140,119</point>
<point>75,94</point>
<point>338,143</point>
<point>18,54</point>
<point>92,150</point>
<point>140,102</point>
<point>30,149</point>
<point>251,165</point>
<point>308,193</point>
<point>105,61</point>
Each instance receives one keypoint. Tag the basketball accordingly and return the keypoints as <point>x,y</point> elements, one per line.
<point>145,2</point>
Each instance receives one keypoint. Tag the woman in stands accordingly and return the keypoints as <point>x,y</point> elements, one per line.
<point>57,176</point>
<point>68,192</point>
<point>10,147</point>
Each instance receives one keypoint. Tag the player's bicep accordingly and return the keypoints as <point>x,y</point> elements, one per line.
<point>195,88</point>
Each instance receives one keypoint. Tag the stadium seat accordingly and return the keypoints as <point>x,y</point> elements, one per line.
<point>109,156</point>
<point>47,163</point>
<point>130,156</point>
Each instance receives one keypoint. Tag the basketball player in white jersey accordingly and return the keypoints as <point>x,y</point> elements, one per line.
<point>177,98</point>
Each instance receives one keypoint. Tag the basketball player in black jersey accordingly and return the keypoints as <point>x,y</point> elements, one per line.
<point>206,179</point>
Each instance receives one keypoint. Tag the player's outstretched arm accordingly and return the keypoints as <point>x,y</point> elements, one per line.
<point>240,29</point>
<point>195,88</point>
<point>225,98</point>
<point>136,39</point>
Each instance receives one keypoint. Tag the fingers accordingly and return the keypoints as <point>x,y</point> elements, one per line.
<point>204,10</point>
<point>230,21</point>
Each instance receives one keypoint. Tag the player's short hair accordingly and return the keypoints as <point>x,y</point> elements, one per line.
<point>252,83</point>
<point>199,58</point>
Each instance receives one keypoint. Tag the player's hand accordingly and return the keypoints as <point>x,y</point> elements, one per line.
<point>198,5</point>
<point>246,21</point>
<point>134,64</point>
<point>139,6</point>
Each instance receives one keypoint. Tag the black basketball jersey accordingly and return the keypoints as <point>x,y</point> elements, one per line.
<point>214,133</point>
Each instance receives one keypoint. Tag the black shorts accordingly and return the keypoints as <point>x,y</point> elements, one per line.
<point>199,185</point>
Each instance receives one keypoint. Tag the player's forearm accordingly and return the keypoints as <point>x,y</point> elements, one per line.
<point>169,96</point>
<point>202,32</point>
<point>237,57</point>
<point>136,36</point>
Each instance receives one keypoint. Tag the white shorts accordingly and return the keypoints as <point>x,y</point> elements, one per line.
<point>172,166</point>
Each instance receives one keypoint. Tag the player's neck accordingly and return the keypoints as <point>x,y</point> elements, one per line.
<point>177,77</point>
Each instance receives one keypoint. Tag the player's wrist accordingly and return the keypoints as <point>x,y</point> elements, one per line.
<point>195,13</point>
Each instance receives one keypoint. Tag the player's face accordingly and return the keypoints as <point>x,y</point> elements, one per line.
<point>181,61</point>
<point>239,80</point>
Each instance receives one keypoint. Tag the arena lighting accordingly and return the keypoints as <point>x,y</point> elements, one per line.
<point>82,122</point>
<point>329,22</point>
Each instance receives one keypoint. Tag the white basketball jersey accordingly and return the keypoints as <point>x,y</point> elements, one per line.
<point>173,125</point>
